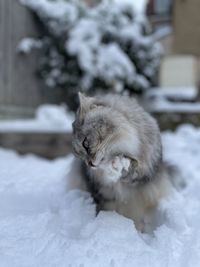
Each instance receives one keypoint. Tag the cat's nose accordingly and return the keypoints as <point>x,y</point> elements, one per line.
<point>91,164</point>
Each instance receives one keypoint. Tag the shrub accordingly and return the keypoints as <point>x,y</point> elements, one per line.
<point>107,47</point>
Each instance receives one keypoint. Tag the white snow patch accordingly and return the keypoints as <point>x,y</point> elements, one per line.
<point>158,100</point>
<point>138,5</point>
<point>182,92</point>
<point>48,118</point>
<point>27,44</point>
<point>166,106</point>
<point>55,9</point>
<point>104,61</point>
<point>163,31</point>
<point>44,224</point>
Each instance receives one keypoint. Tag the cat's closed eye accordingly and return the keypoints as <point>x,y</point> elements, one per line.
<point>85,144</point>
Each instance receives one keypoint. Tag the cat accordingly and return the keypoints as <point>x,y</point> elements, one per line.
<point>118,146</point>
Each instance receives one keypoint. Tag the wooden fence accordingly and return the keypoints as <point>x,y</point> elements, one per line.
<point>20,88</point>
<point>47,145</point>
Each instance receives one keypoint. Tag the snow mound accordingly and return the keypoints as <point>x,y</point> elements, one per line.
<point>42,223</point>
<point>48,118</point>
<point>27,44</point>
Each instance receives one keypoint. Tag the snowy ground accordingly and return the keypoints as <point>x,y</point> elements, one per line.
<point>42,223</point>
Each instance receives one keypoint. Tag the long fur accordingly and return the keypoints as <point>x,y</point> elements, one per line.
<point>113,126</point>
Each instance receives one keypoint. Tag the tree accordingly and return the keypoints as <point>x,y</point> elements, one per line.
<point>105,48</point>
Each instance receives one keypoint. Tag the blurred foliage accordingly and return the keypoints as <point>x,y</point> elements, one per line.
<point>105,48</point>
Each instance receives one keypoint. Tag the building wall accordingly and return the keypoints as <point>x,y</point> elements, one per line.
<point>187,26</point>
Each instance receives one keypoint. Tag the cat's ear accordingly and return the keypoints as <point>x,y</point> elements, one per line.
<point>85,103</point>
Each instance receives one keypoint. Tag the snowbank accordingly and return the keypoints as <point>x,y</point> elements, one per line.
<point>167,106</point>
<point>158,100</point>
<point>48,118</point>
<point>27,44</point>
<point>41,224</point>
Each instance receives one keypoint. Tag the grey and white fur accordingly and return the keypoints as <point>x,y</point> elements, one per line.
<point>119,145</point>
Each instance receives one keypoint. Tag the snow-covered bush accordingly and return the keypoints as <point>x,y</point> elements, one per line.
<point>107,47</point>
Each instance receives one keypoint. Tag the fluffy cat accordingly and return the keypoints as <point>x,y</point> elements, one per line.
<point>119,145</point>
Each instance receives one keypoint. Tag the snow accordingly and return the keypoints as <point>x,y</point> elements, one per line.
<point>59,14</point>
<point>44,223</point>
<point>138,5</point>
<point>55,10</point>
<point>48,118</point>
<point>114,63</point>
<point>106,61</point>
<point>158,100</point>
<point>182,92</point>
<point>163,31</point>
<point>27,44</point>
<point>167,106</point>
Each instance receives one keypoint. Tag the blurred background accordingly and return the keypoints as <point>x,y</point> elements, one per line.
<point>51,49</point>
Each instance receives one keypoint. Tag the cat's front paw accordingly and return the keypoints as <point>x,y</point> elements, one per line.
<point>120,163</point>
<point>116,168</point>
<point>130,175</point>
<point>116,163</point>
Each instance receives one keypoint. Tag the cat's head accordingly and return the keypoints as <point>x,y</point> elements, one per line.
<point>94,130</point>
